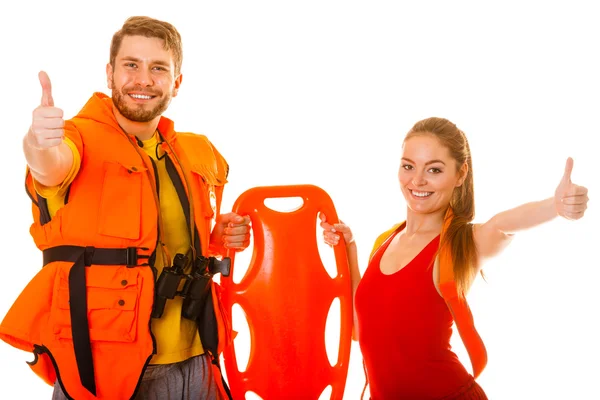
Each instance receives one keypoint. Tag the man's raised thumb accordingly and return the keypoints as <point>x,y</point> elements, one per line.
<point>47,100</point>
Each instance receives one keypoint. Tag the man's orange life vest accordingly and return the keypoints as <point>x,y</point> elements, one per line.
<point>86,314</point>
<point>457,304</point>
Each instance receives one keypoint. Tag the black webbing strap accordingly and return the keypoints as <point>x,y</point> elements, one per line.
<point>44,210</point>
<point>95,255</point>
<point>82,257</point>
<point>183,199</point>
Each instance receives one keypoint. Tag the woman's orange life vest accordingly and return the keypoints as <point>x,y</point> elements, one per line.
<point>286,294</point>
<point>86,314</point>
<point>457,304</point>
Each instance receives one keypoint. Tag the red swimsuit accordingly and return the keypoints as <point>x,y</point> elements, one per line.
<point>404,332</point>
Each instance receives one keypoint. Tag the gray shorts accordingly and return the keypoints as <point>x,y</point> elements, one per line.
<point>186,380</point>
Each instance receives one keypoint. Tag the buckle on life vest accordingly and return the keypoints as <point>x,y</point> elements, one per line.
<point>133,256</point>
<point>214,265</point>
<point>223,266</point>
<point>88,255</point>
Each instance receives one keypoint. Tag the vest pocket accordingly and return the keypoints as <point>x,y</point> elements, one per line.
<point>112,303</point>
<point>120,203</point>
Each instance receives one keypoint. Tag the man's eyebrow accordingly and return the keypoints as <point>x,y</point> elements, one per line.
<point>138,60</point>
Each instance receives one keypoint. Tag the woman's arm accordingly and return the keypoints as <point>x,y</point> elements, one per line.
<point>331,235</point>
<point>569,201</point>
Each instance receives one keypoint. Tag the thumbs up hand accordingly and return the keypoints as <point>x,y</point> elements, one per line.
<point>570,199</point>
<point>47,127</point>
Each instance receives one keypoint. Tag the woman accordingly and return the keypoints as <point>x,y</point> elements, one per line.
<point>403,322</point>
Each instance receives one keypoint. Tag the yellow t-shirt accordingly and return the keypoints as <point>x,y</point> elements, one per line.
<point>177,338</point>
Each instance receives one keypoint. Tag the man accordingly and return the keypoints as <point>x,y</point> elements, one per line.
<point>121,201</point>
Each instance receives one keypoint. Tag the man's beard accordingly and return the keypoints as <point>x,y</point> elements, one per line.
<point>138,113</point>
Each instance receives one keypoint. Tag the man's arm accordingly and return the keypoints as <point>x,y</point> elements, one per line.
<point>49,158</point>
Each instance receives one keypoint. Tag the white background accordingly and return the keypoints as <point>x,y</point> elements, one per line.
<point>323,92</point>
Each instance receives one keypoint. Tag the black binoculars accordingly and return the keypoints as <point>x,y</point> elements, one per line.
<point>196,287</point>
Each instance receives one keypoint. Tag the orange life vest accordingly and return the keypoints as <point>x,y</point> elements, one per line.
<point>457,304</point>
<point>86,314</point>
